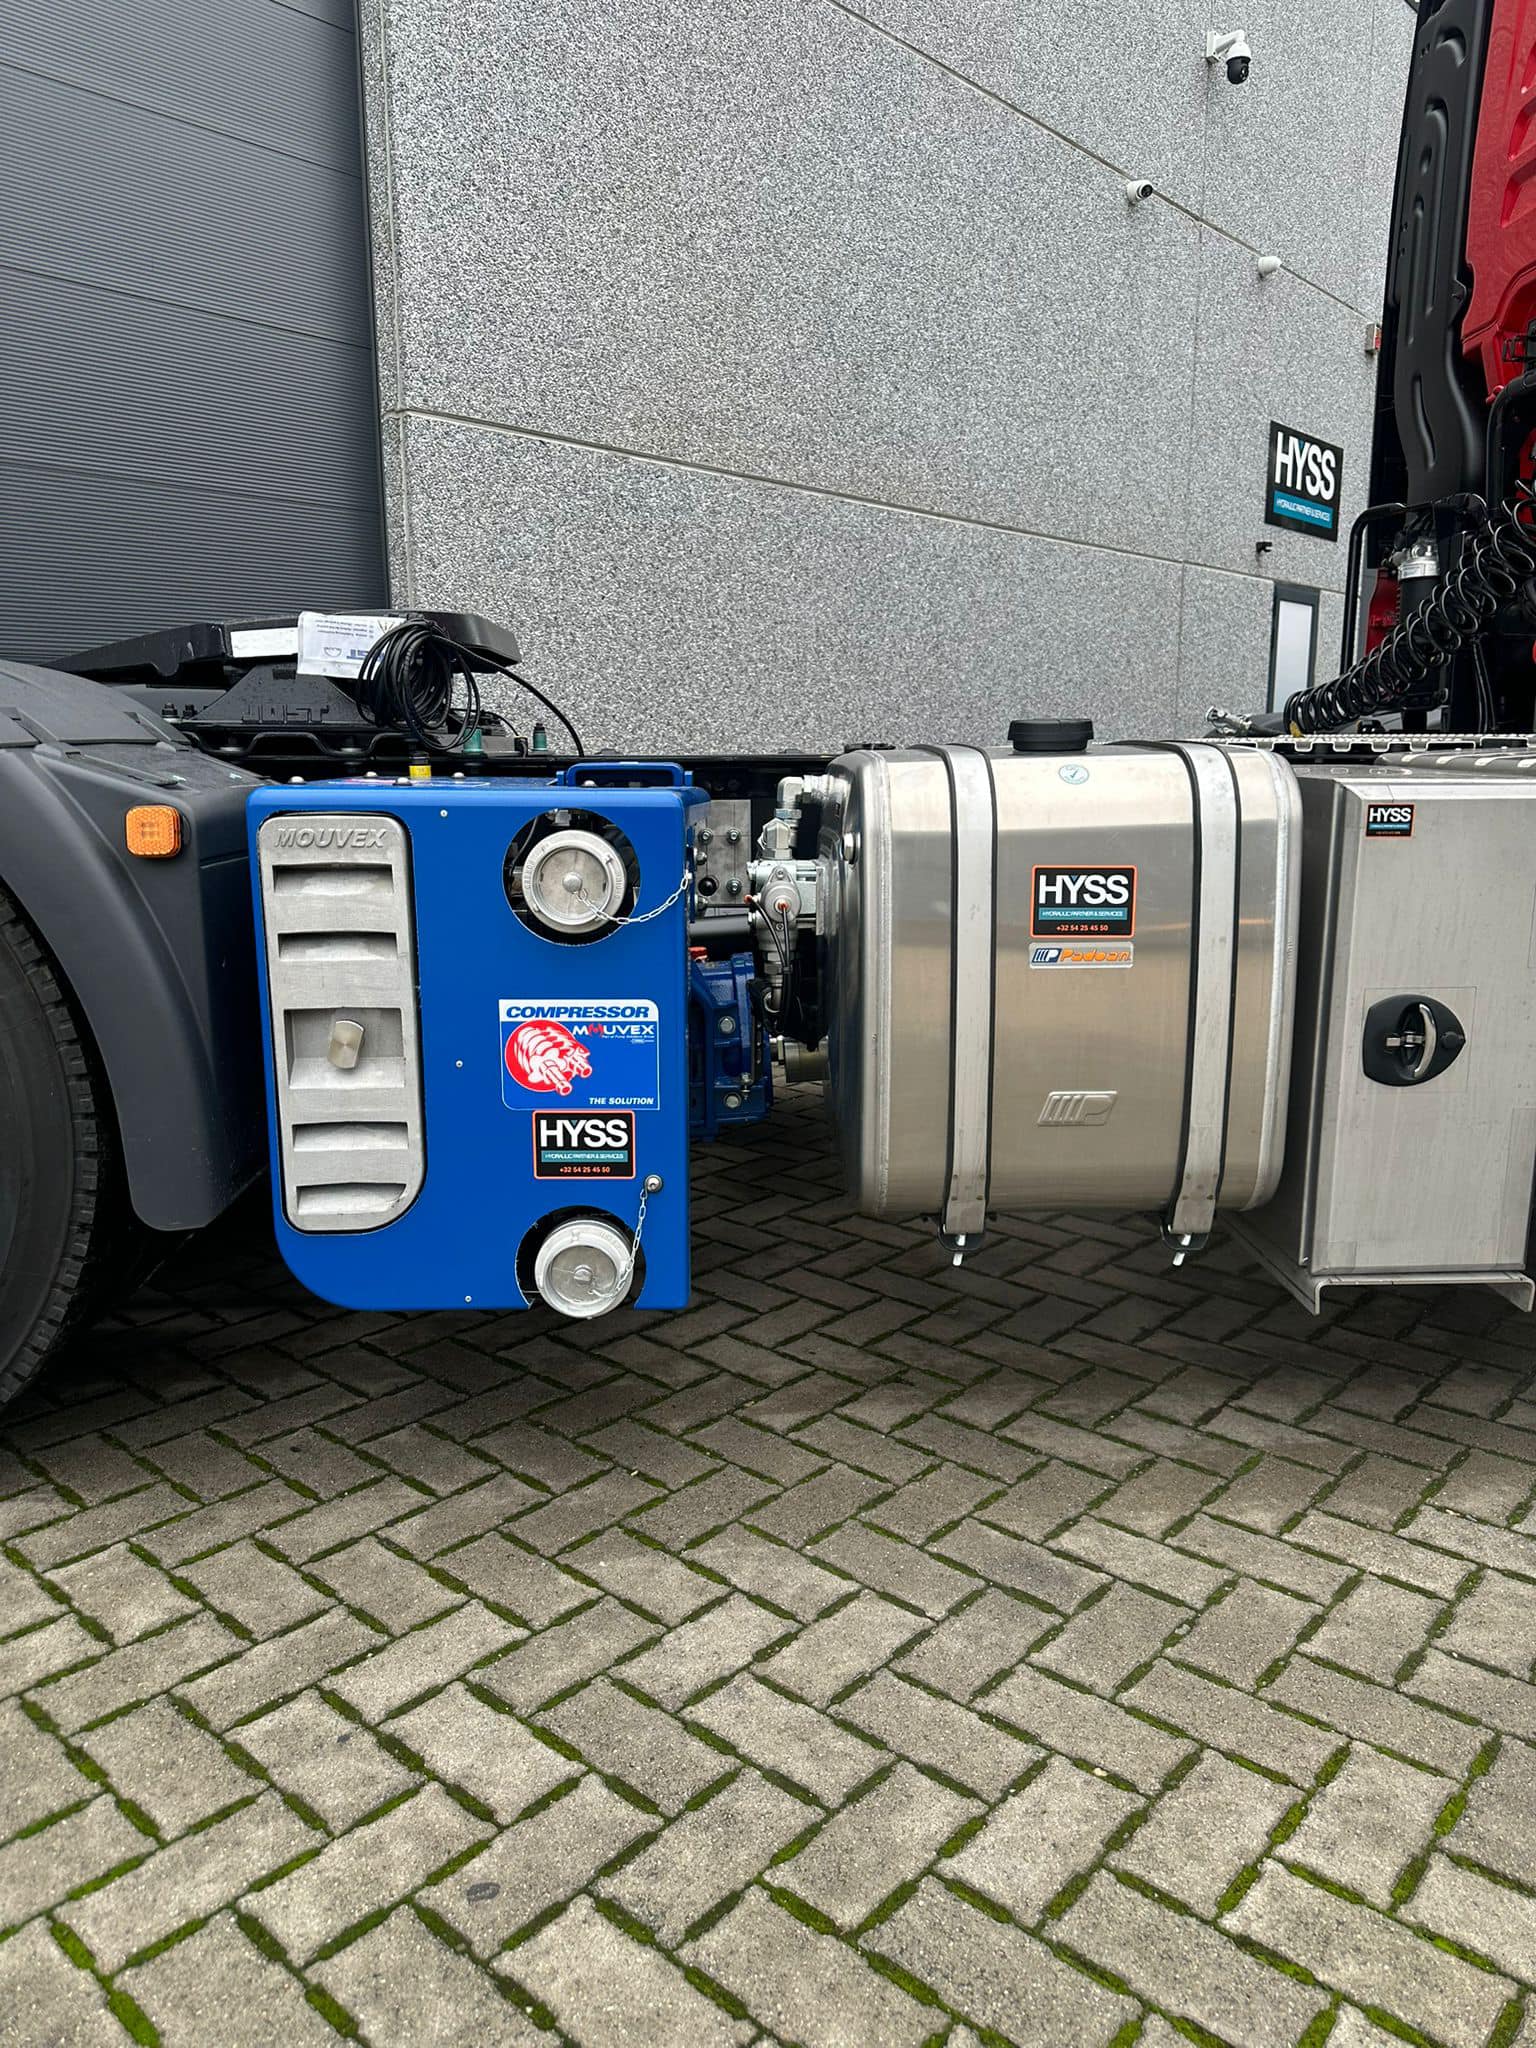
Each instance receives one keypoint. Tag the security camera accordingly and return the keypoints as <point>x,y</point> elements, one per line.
<point>1229,47</point>
<point>1137,189</point>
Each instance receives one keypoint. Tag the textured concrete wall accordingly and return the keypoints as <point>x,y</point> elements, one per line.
<point>796,372</point>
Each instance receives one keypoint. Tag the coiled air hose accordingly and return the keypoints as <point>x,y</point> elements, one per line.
<point>1496,563</point>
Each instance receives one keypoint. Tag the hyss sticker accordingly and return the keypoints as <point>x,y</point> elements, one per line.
<point>1083,903</point>
<point>598,1054</point>
<point>1389,821</point>
<point>567,1147</point>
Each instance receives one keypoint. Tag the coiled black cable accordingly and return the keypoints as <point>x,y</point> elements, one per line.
<point>419,680</point>
<point>408,681</point>
<point>1495,562</point>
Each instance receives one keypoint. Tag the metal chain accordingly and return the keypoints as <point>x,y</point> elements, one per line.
<point>651,1185</point>
<point>640,917</point>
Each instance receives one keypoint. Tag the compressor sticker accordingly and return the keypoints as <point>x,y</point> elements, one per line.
<point>1083,903</point>
<point>580,1055</point>
<point>1389,821</point>
<point>1070,955</point>
<point>567,1147</point>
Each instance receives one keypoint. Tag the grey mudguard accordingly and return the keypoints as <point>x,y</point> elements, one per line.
<point>158,954</point>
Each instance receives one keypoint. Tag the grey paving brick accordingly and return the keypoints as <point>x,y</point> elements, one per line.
<point>137,1671</point>
<point>1157,1497</point>
<point>1137,1558</point>
<point>651,1453</point>
<point>1485,1485</point>
<point>47,2000</point>
<point>1077,1725</point>
<point>423,1660</point>
<point>191,1879</point>
<point>1498,1823</point>
<point>879,1842</point>
<point>95,1528</point>
<point>39,1870</point>
<point>1188,1968</point>
<point>701,1651</point>
<point>934,1731</point>
<point>807,1987</point>
<point>226,1521</point>
<point>1386,1556</point>
<point>1232,1722</point>
<point>972,1647</point>
<point>1375,1627</point>
<point>273,1670</point>
<point>1371,1959</point>
<point>260,1592</point>
<point>867,1450</point>
<point>789,1738</point>
<point>944,1495</point>
<point>643,1746</point>
<point>803,1511</point>
<point>363,1870</point>
<point>843,1646</point>
<point>536,1864</point>
<point>771,1571</point>
<point>320,1757</point>
<point>497,1570</point>
<point>646,1577</point>
<point>1269,1494</point>
<point>389,1588</point>
<point>1173,1440</point>
<point>200,1462</point>
<point>1213,1824</point>
<point>410,1990</point>
<point>1491,1919</point>
<point>216,1986</point>
<point>1495,1623</point>
<point>121,1592</point>
<point>341,1521</point>
<point>1378,1490</point>
<point>693,1511</point>
<point>1104,1643</point>
<point>759,1450</point>
<point>27,1659</point>
<point>708,1853</point>
<point>1369,1712</point>
<point>36,1777</point>
<point>1025,1567</point>
<point>483,1751</point>
<point>977,1449</point>
<point>317,1462</point>
<point>1504,1549</point>
<point>1042,1836</point>
<point>1241,1635</point>
<point>1488,1697</point>
<point>583,1511</point>
<point>23,1598</point>
<point>566,1653</point>
<point>438,1462</point>
<point>610,1992</point>
<point>1266,1558</point>
<point>1366,1824</point>
<point>478,1509</point>
<point>898,1569</point>
<point>170,1768</point>
<point>992,1973</point>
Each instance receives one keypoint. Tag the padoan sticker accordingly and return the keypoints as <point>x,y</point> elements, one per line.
<point>1083,953</point>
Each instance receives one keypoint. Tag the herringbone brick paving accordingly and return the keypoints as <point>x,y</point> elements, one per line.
<point>1064,1651</point>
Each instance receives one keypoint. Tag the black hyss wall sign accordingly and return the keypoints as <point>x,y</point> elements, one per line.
<point>1306,481</point>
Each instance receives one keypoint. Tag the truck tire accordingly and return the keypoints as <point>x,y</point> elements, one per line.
<point>59,1197</point>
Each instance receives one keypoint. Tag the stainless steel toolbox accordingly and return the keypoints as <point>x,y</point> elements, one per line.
<point>1413,1101</point>
<point>1059,979</point>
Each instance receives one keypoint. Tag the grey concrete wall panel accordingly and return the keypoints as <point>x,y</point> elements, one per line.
<point>1286,153</point>
<point>1271,348</point>
<point>1225,623</point>
<point>669,607</point>
<point>766,238</point>
<point>1128,83</point>
<point>188,412</point>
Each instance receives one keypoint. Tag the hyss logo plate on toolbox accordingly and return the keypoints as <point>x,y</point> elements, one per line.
<point>1083,903</point>
<point>1389,821</point>
<point>567,1147</point>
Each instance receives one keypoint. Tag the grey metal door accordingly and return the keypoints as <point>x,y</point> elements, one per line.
<point>188,406</point>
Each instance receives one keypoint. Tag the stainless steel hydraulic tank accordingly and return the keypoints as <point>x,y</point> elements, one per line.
<point>1413,1104</point>
<point>1059,979</point>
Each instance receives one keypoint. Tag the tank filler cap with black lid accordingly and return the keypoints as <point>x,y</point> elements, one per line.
<point>1050,735</point>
